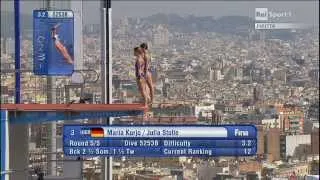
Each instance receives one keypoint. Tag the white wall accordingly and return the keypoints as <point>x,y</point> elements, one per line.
<point>272,121</point>
<point>77,9</point>
<point>294,141</point>
<point>198,109</point>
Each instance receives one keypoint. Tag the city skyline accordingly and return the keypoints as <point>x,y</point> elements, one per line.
<point>205,72</point>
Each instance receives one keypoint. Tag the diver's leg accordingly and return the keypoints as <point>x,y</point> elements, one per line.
<point>67,56</point>
<point>63,51</point>
<point>141,85</point>
<point>147,91</point>
<point>150,86</point>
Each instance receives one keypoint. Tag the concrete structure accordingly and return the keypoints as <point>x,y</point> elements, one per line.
<point>290,145</point>
<point>261,140</point>
<point>227,108</point>
<point>315,141</point>
<point>249,167</point>
<point>291,119</point>
<point>3,46</point>
<point>299,170</point>
<point>160,36</point>
<point>9,46</point>
<point>207,170</point>
<point>204,110</point>
<point>77,8</point>
<point>123,26</point>
<point>236,73</point>
<point>272,147</point>
<point>280,75</point>
<point>215,74</point>
<point>270,123</point>
<point>257,93</point>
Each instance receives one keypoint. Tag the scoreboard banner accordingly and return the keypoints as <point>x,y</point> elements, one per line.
<point>159,140</point>
<point>53,42</point>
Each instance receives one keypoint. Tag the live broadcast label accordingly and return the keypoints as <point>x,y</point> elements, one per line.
<point>159,143</point>
<point>218,132</point>
<point>157,152</point>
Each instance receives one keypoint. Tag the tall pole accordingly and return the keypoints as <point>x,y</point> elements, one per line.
<point>73,168</point>
<point>106,51</point>
<point>4,135</point>
<point>17,49</point>
<point>52,127</point>
<point>106,71</point>
<point>18,133</point>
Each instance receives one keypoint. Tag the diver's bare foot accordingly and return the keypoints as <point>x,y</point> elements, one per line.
<point>53,32</point>
<point>70,62</point>
<point>151,100</point>
<point>145,117</point>
<point>145,105</point>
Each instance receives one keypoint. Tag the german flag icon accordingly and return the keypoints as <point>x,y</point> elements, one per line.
<point>97,132</point>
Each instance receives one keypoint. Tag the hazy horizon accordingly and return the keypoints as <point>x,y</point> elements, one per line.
<point>303,11</point>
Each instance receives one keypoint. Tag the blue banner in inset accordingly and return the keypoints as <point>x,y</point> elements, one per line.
<point>53,42</point>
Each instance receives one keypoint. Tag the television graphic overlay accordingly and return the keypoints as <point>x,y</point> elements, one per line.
<point>271,19</point>
<point>160,141</point>
<point>53,42</point>
<point>261,14</point>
